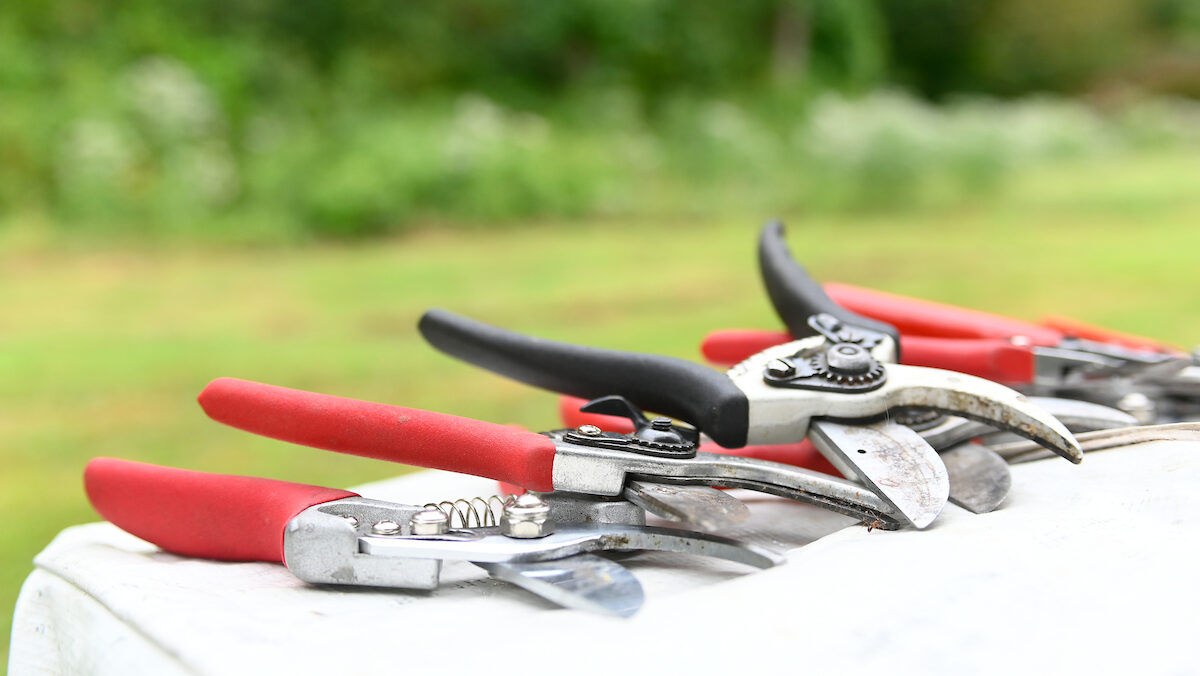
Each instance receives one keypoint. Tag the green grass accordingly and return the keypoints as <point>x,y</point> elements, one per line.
<point>103,351</point>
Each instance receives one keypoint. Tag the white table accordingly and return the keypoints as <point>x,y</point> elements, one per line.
<point>1088,568</point>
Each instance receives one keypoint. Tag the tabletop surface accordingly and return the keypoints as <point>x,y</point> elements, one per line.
<point>1084,568</point>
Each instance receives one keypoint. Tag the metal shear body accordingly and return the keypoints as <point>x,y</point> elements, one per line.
<point>329,536</point>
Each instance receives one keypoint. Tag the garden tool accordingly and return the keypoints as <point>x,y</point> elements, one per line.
<point>328,536</point>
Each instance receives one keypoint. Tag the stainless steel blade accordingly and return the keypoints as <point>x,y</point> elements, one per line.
<point>979,478</point>
<point>581,582</point>
<point>1024,451</point>
<point>702,506</point>
<point>891,459</point>
<point>1076,415</point>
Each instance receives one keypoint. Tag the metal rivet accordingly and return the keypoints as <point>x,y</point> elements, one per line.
<point>661,424</point>
<point>589,430</point>
<point>429,522</point>
<point>385,528</point>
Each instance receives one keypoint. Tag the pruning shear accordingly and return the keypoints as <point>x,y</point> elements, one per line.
<point>1060,357</point>
<point>589,462</point>
<point>831,387</point>
<point>544,544</point>
<point>979,476</point>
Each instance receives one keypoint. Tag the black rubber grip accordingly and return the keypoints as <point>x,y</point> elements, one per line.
<point>796,296</point>
<point>678,388</point>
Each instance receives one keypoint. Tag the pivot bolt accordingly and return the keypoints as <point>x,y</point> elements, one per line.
<point>429,522</point>
<point>589,430</point>
<point>849,358</point>
<point>526,516</point>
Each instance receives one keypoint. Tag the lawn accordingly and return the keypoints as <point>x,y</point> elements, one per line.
<point>103,350</point>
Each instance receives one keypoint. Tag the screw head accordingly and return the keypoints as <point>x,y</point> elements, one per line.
<point>588,431</point>
<point>429,522</point>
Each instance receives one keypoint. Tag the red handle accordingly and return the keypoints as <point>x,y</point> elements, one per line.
<point>731,346</point>
<point>917,317</point>
<point>383,432</point>
<point>991,358</point>
<point>212,516</point>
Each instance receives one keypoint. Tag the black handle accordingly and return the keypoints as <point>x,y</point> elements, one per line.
<point>681,389</point>
<point>796,296</point>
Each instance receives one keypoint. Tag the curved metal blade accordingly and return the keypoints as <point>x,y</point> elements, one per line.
<point>978,399</point>
<point>892,460</point>
<point>702,506</point>
<point>581,582</point>
<point>979,478</point>
<point>1076,415</point>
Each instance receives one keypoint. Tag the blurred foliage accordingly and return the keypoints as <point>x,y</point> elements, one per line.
<point>279,121</point>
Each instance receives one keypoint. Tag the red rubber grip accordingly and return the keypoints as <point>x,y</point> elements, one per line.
<point>211,516</point>
<point>917,317</point>
<point>383,432</point>
<point>730,346</point>
<point>991,358</point>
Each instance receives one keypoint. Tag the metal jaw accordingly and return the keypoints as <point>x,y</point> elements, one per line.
<point>341,542</point>
<point>601,471</point>
<point>321,545</point>
<point>1076,415</point>
<point>779,415</point>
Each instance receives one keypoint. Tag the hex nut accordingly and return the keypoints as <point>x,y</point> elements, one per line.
<point>526,517</point>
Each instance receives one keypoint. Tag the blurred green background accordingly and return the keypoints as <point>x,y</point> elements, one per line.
<point>276,190</point>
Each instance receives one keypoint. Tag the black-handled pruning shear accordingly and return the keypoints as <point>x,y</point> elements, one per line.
<point>832,386</point>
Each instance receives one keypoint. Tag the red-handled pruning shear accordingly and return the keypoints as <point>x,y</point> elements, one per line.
<point>592,463</point>
<point>327,536</point>
<point>1058,358</point>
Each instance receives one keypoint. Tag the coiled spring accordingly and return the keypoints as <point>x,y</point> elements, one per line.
<point>474,512</point>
